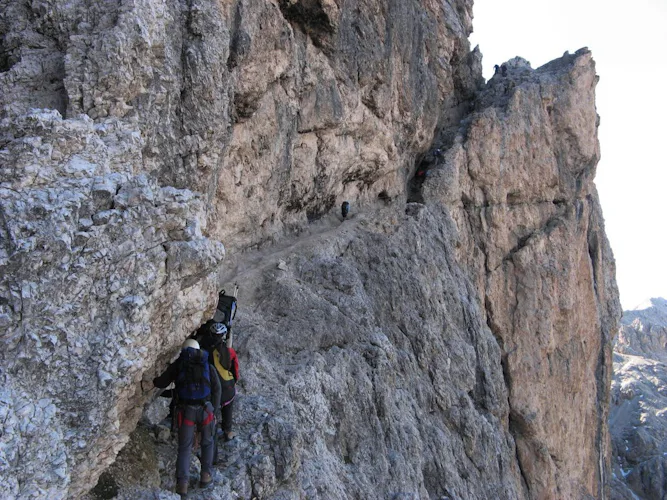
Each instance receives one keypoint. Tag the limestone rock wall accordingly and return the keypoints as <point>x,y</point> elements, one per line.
<point>286,107</point>
<point>102,270</point>
<point>518,179</point>
<point>460,349</point>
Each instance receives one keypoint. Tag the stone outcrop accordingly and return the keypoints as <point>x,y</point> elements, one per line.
<point>457,346</point>
<point>101,270</point>
<point>637,416</point>
<point>531,229</point>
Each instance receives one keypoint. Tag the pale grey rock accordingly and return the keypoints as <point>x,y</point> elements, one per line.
<point>157,410</point>
<point>80,289</point>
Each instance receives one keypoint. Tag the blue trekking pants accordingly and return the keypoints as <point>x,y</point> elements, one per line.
<point>191,419</point>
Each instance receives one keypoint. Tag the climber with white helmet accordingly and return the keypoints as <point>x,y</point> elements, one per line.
<point>218,329</point>
<point>198,393</point>
<point>215,337</point>
<point>226,364</point>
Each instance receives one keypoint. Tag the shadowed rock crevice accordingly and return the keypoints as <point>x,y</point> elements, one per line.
<point>9,56</point>
<point>313,16</point>
<point>239,39</point>
<point>35,56</point>
<point>416,182</point>
<point>516,424</point>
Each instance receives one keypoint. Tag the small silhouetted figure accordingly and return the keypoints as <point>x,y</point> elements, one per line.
<point>437,154</point>
<point>496,68</point>
<point>503,69</point>
<point>345,208</point>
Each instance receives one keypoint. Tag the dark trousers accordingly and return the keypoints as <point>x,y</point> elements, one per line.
<point>226,404</point>
<point>192,419</point>
<point>226,414</point>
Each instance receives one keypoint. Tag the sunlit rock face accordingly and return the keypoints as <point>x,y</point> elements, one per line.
<point>457,346</point>
<point>637,417</point>
<point>518,181</point>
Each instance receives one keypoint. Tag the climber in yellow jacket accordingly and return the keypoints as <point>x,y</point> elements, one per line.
<point>226,363</point>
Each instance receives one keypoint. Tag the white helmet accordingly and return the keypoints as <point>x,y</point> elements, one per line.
<point>190,343</point>
<point>219,329</point>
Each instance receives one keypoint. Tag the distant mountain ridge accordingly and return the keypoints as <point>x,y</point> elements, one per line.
<point>651,311</point>
<point>637,423</point>
<point>643,330</point>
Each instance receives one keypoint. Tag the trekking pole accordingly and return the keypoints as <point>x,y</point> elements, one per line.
<point>230,336</point>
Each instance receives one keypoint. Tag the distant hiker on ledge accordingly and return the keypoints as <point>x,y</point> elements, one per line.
<point>226,364</point>
<point>496,68</point>
<point>345,209</point>
<point>198,394</point>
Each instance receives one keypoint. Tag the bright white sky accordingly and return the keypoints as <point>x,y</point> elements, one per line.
<point>629,45</point>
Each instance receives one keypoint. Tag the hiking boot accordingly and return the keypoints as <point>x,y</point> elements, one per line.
<point>182,489</point>
<point>229,436</point>
<point>205,480</point>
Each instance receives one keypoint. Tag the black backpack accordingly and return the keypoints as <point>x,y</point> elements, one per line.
<point>226,310</point>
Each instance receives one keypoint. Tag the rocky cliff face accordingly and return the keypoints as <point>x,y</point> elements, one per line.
<point>519,182</point>
<point>457,346</point>
<point>637,416</point>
